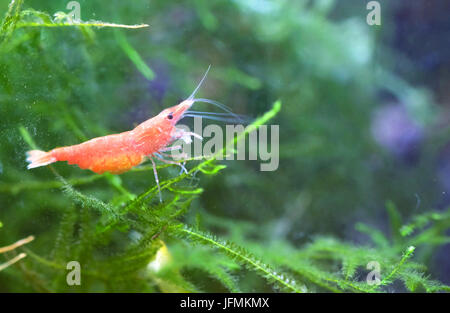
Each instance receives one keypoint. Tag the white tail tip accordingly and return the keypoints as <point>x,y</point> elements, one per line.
<point>38,158</point>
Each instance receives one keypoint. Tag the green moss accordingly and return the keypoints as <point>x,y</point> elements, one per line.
<point>222,226</point>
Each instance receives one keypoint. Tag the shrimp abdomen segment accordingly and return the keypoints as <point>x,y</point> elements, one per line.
<point>114,153</point>
<point>115,164</point>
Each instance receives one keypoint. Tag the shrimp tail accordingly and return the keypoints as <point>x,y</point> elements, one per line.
<point>38,158</point>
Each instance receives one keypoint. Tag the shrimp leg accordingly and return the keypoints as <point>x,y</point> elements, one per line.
<point>181,156</point>
<point>180,164</point>
<point>172,148</point>
<point>185,135</point>
<point>156,178</point>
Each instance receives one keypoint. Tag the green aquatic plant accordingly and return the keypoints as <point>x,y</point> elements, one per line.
<point>98,223</point>
<point>210,233</point>
<point>16,17</point>
<point>151,222</point>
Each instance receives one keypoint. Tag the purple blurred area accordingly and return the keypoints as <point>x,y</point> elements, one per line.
<point>159,86</point>
<point>393,129</point>
<point>157,89</point>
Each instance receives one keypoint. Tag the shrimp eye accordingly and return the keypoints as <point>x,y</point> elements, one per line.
<point>170,116</point>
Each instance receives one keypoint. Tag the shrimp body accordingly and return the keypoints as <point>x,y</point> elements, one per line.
<point>118,153</point>
<point>113,153</point>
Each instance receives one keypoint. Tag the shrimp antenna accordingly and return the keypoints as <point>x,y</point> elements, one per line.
<point>220,106</point>
<point>199,84</point>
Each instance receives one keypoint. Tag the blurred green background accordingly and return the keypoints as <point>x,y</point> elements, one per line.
<point>364,120</point>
